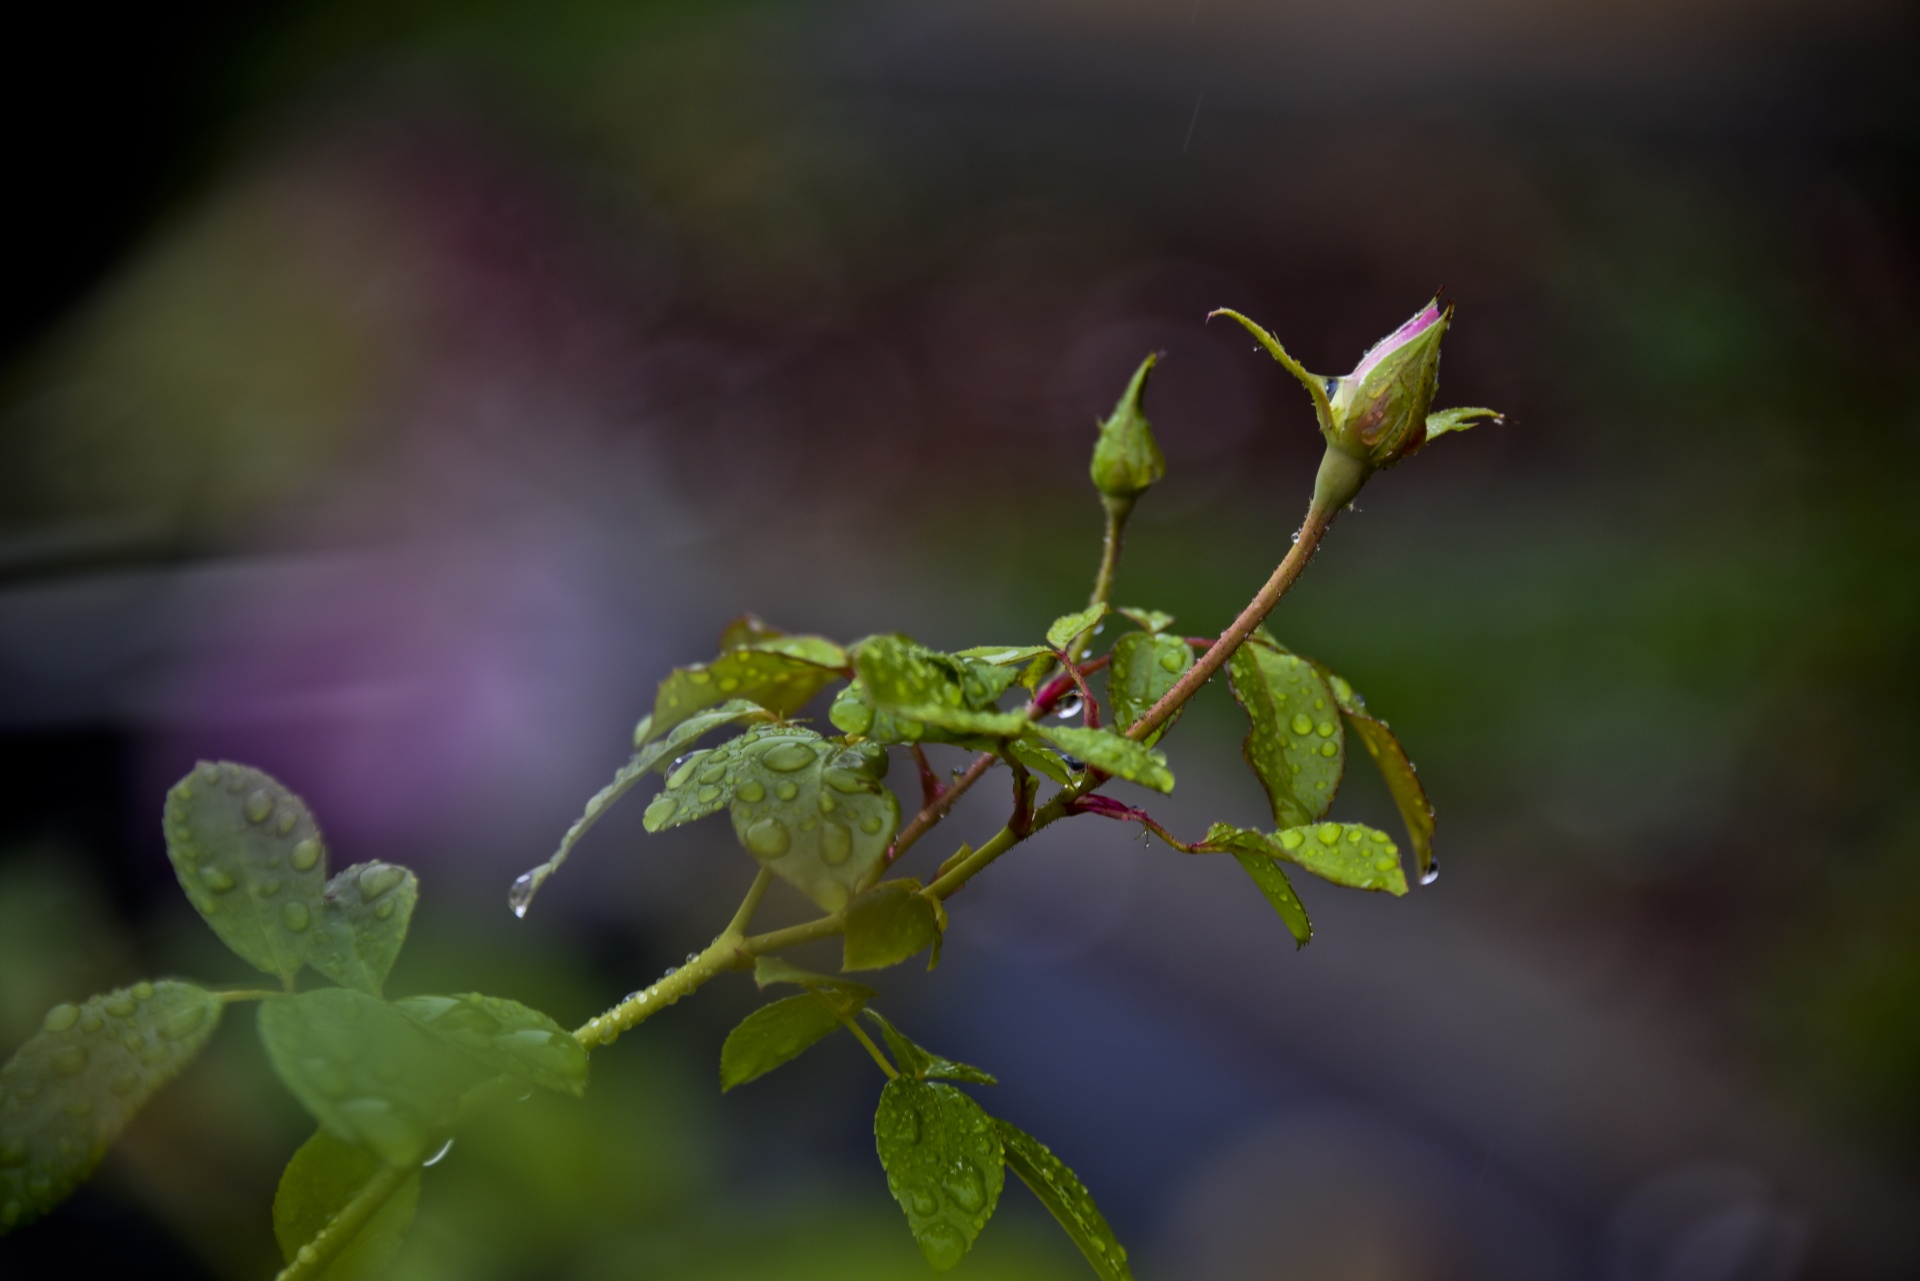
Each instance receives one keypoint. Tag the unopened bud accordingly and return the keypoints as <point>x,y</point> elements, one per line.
<point>1126,459</point>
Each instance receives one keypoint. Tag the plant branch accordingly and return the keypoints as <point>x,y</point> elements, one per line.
<point>314,1257</point>
<point>737,927</point>
<point>860,1035</point>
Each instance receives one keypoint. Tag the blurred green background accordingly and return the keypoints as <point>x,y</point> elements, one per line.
<point>392,392</point>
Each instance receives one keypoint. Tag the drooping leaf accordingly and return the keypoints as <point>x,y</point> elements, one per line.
<point>364,914</point>
<point>1066,628</point>
<point>1145,666</point>
<point>1403,783</point>
<point>366,1071</point>
<point>887,924</point>
<point>251,860</point>
<point>814,811</point>
<point>781,683</point>
<point>778,1032</point>
<point>75,1084</point>
<point>944,1161</point>
<point>651,752</point>
<point>846,994</point>
<point>1345,853</point>
<point>321,1179</point>
<point>504,1037</point>
<point>1254,852</point>
<point>1153,621</point>
<point>1294,744</point>
<point>1066,1199</point>
<point>922,1064</point>
<point>1040,759</point>
<point>1114,753</point>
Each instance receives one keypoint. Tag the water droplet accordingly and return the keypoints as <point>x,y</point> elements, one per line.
<point>208,772</point>
<point>751,791</point>
<point>707,795</point>
<point>659,813</point>
<point>713,773</point>
<point>183,1022</point>
<point>143,991</point>
<point>784,758</point>
<point>258,806</point>
<point>1291,838</point>
<point>968,1191</point>
<point>836,843</point>
<point>305,854</point>
<point>69,1060</point>
<point>871,825</point>
<point>378,879</point>
<point>787,791</point>
<point>1355,836</point>
<point>61,1017</point>
<point>121,1005</point>
<point>923,1203</point>
<point>521,894</point>
<point>1329,748</point>
<point>270,887</point>
<point>768,838</point>
<point>1172,660</point>
<point>699,678</point>
<point>1432,873</point>
<point>91,1022</point>
<point>1324,729</point>
<point>382,911</point>
<point>295,916</point>
<point>216,879</point>
<point>1329,833</point>
<point>287,818</point>
<point>439,1156</point>
<point>729,683</point>
<point>1069,707</point>
<point>1302,723</point>
<point>679,763</point>
<point>844,780</point>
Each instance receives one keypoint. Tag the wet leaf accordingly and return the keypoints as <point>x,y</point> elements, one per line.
<point>1403,783</point>
<point>1295,744</point>
<point>366,1071</point>
<point>1066,1199</point>
<point>251,860</point>
<point>887,924</point>
<point>1068,627</point>
<point>778,1032</point>
<point>813,811</point>
<point>1040,759</point>
<point>781,683</point>
<point>1254,852</point>
<point>1459,420</point>
<point>75,1084</point>
<point>944,1164</point>
<point>323,1176</point>
<point>364,914</point>
<point>504,1037</point>
<point>1144,668</point>
<point>1114,753</point>
<point>1003,655</point>
<point>1147,620</point>
<point>916,1061</point>
<point>1351,854</point>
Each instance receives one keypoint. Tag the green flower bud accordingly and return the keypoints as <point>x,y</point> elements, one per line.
<point>1126,459</point>
<point>1379,413</point>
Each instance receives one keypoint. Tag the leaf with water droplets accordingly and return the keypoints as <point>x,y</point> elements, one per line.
<point>1294,744</point>
<point>945,1164</point>
<point>1040,759</point>
<point>1153,621</point>
<point>1254,852</point>
<point>781,683</point>
<point>1067,627</point>
<point>1003,655</point>
<point>366,1071</point>
<point>887,924</point>
<point>1113,753</point>
<point>814,811</point>
<point>251,860</point>
<point>750,631</point>
<point>652,752</point>
<point>1350,854</point>
<point>1066,1199</point>
<point>75,1084</point>
<point>1403,783</point>
<point>505,1037</point>
<point>780,1031</point>
<point>364,914</point>
<point>916,1061</point>
<point>1144,667</point>
<point>321,1179</point>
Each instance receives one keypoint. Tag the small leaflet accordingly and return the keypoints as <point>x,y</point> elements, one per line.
<point>1403,782</point>
<point>922,1064</point>
<point>887,924</point>
<point>1040,759</point>
<point>1113,753</point>
<point>781,1031</point>
<point>323,1176</point>
<point>1459,420</point>
<point>504,1037</point>
<point>70,1090</point>
<point>1144,667</point>
<point>1153,621</point>
<point>945,1164</point>
<point>1068,627</point>
<point>1294,743</point>
<point>1255,854</point>
<point>1066,1199</point>
<point>250,858</point>
<point>364,914</point>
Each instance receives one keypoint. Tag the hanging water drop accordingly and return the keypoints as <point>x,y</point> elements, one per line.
<point>521,895</point>
<point>1432,873</point>
<point>1069,707</point>
<point>439,1156</point>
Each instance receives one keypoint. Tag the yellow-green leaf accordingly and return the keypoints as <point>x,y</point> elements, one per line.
<point>944,1162</point>
<point>1351,854</point>
<point>1403,783</point>
<point>1066,1199</point>
<point>887,924</point>
<point>1144,667</point>
<point>1254,852</point>
<point>1066,628</point>
<point>779,1032</point>
<point>323,1176</point>
<point>1113,753</point>
<point>1294,744</point>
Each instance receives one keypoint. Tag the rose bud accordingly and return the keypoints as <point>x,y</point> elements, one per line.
<point>1126,459</point>
<point>1379,413</point>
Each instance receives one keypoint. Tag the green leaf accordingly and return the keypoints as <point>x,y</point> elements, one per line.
<point>364,913</point>
<point>963,721</point>
<point>781,683</point>
<point>251,861</point>
<point>1345,853</point>
<point>1153,621</point>
<point>323,1176</point>
<point>1145,666</point>
<point>651,753</point>
<point>1066,1199</point>
<point>1254,852</point>
<point>1067,627</point>
<point>780,1031</point>
<point>504,1037</point>
<point>814,811</point>
<point>365,1070</point>
<point>1403,783</point>
<point>920,1063</point>
<point>1040,759</point>
<point>846,994</point>
<point>944,1164</point>
<point>75,1084</point>
<point>1114,753</point>
<point>887,924</point>
<point>749,631</point>
<point>1003,655</point>
<point>1459,420</point>
<point>1295,744</point>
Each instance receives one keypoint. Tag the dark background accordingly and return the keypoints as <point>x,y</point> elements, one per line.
<point>392,392</point>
